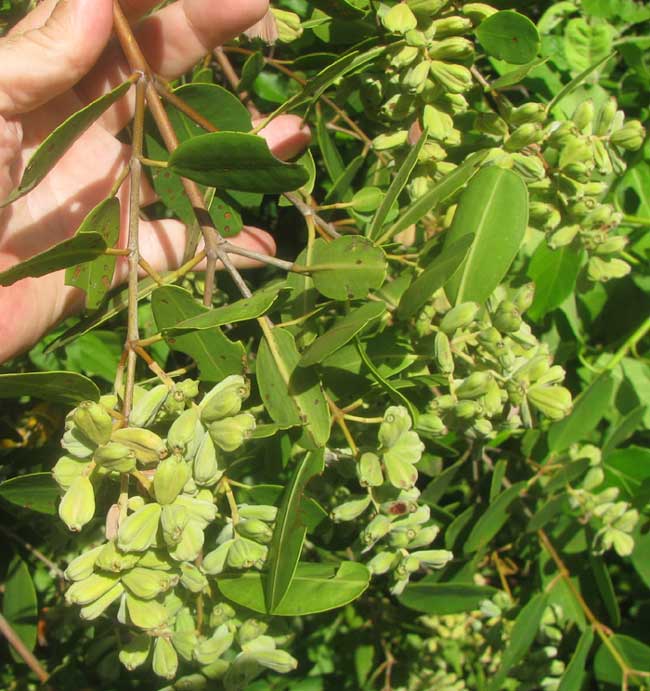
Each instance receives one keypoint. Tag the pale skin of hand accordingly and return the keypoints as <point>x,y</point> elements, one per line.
<point>57,59</point>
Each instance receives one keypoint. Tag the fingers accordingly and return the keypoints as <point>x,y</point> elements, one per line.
<point>43,62</point>
<point>287,136</point>
<point>173,40</point>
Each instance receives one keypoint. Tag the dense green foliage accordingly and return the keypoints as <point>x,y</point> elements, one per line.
<point>415,457</point>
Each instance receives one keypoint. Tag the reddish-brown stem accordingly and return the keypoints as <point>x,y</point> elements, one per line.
<point>17,644</point>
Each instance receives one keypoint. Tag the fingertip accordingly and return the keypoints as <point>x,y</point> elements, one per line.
<point>287,136</point>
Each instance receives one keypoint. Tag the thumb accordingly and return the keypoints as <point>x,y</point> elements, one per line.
<point>42,63</point>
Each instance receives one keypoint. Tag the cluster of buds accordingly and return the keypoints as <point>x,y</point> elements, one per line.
<point>613,520</point>
<point>423,78</point>
<point>152,565</point>
<point>497,372</point>
<point>568,166</point>
<point>398,528</point>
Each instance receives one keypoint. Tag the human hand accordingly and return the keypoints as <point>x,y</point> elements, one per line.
<point>57,59</point>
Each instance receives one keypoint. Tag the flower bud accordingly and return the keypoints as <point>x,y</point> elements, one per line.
<point>221,614</point>
<point>67,469</point>
<point>288,24</point>
<point>148,405</point>
<point>173,520</point>
<point>215,562</point>
<point>531,168</point>
<point>379,527</point>
<point>230,434</point>
<point>381,563</point>
<point>492,124</point>
<point>138,532</point>
<point>82,566</point>
<point>452,77</point>
<point>528,113</point>
<point>404,56</point>
<point>524,297</point>
<point>155,559</point>
<point>396,422</point>
<point>209,650</point>
<point>193,579</point>
<point>135,653</point>
<point>277,660</point>
<point>467,409</point>
<point>200,511</point>
<point>459,317</point>
<point>171,475</point>
<point>477,11</point>
<point>606,269</point>
<point>474,385</point>
<point>78,504</point>
<point>190,544</point>
<point>180,437</point>
<point>111,559</point>
<point>630,136</point>
<point>390,141</point>
<point>246,554</point>
<point>432,425</point>
<point>206,464</point>
<point>453,48</point>
<point>93,421</point>
<point>449,26</point>
<point>525,135</point>
<point>414,79</point>
<point>101,604</point>
<point>492,401</point>
<point>606,117</point>
<point>350,510</point>
<point>147,446</point>
<point>250,630</point>
<point>148,583</point>
<point>115,457</point>
<point>563,237</point>
<point>145,614</point>
<point>263,512</point>
<point>443,354</point>
<point>254,529</point>
<point>184,643</point>
<point>165,660</point>
<point>553,401</point>
<point>90,589</point>
<point>575,151</point>
<point>399,19</point>
<point>583,116</point>
<point>424,537</point>
<point>369,470</point>
<point>76,444</point>
<point>507,318</point>
<point>225,399</point>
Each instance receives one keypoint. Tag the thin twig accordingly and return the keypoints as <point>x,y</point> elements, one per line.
<point>30,548</point>
<point>133,243</point>
<point>16,643</point>
<point>233,78</point>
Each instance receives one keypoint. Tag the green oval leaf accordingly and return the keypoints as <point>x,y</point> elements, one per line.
<point>440,192</point>
<point>20,606</point>
<point>588,409</point>
<point>509,36</point>
<point>554,273</point>
<point>586,43</point>
<point>521,638</point>
<point>36,492</point>
<point>241,310</point>
<point>494,207</point>
<point>575,671</point>
<point>314,588</point>
<point>494,518</point>
<point>68,388</point>
<point>435,276</point>
<point>60,140</point>
<point>238,161</point>
<point>76,250</point>
<point>440,599</point>
<point>289,531</point>
<point>396,186</point>
<point>95,277</point>
<point>215,354</point>
<point>341,332</point>
<point>635,654</point>
<point>292,395</point>
<point>347,268</point>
